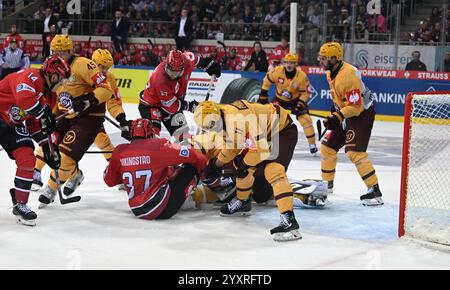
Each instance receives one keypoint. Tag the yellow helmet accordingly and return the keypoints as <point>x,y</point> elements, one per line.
<point>61,42</point>
<point>290,57</point>
<point>332,49</point>
<point>103,57</point>
<point>207,114</point>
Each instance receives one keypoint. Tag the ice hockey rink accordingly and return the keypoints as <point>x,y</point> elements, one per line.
<point>101,232</point>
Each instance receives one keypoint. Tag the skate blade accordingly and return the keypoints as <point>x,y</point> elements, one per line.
<point>238,214</point>
<point>373,202</point>
<point>288,236</point>
<point>21,221</point>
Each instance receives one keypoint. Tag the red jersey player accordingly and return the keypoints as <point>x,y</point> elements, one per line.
<point>143,166</point>
<point>163,98</point>
<point>25,96</point>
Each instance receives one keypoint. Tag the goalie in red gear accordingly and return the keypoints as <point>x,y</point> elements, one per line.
<point>26,96</point>
<point>162,101</point>
<point>145,165</point>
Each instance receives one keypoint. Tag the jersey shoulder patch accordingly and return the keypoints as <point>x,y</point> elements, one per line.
<point>184,151</point>
<point>354,97</point>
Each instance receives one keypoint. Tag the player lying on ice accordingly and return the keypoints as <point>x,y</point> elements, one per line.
<point>254,135</point>
<point>162,101</point>
<point>148,167</point>
<point>26,96</point>
<point>221,189</point>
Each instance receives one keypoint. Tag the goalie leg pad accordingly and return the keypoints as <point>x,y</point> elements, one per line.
<point>310,193</point>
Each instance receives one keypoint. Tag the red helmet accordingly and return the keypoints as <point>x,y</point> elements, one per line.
<point>141,128</point>
<point>174,64</point>
<point>56,65</point>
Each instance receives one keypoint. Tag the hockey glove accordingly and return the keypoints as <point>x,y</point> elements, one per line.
<point>333,121</point>
<point>210,66</point>
<point>189,106</point>
<point>239,167</point>
<point>125,126</point>
<point>79,104</point>
<point>212,170</point>
<point>46,119</point>
<point>52,160</point>
<point>299,108</point>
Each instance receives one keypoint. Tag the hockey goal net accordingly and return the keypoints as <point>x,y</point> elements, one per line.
<point>425,181</point>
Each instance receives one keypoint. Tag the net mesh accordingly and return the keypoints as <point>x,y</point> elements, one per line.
<point>427,212</point>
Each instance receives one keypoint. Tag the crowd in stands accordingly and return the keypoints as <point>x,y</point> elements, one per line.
<point>429,30</point>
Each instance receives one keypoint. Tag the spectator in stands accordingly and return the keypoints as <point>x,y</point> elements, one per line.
<point>316,17</point>
<point>361,32</point>
<point>232,61</point>
<point>40,14</point>
<point>48,22</point>
<point>207,10</point>
<point>274,19</point>
<point>258,60</point>
<point>198,29</point>
<point>99,8</point>
<point>415,64</point>
<point>119,31</point>
<point>14,35</point>
<point>436,34</point>
<point>280,51</point>
<point>222,15</point>
<point>48,39</point>
<point>435,16</point>
<point>13,59</point>
<point>183,36</point>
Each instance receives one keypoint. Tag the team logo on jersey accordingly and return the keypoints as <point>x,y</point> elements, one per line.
<point>285,93</point>
<point>169,103</point>
<point>70,137</point>
<point>24,87</point>
<point>65,99</point>
<point>163,93</point>
<point>22,131</point>
<point>349,136</point>
<point>281,81</point>
<point>354,97</point>
<point>16,114</point>
<point>184,151</point>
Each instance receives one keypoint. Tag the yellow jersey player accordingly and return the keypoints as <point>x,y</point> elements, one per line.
<point>253,134</point>
<point>350,123</point>
<point>104,61</point>
<point>292,93</point>
<point>86,92</point>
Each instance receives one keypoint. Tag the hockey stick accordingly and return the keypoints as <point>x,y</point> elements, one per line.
<point>58,181</point>
<point>113,123</point>
<point>211,82</point>
<point>319,129</point>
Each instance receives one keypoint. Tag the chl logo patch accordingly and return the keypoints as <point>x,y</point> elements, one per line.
<point>70,137</point>
<point>350,136</point>
<point>184,151</point>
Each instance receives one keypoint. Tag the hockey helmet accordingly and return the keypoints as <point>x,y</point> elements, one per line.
<point>174,64</point>
<point>56,65</point>
<point>61,42</point>
<point>332,49</point>
<point>290,57</point>
<point>103,57</point>
<point>141,128</point>
<point>207,115</point>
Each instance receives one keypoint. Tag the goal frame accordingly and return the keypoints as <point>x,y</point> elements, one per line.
<point>405,156</point>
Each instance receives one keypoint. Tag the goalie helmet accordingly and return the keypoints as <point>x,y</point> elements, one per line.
<point>141,128</point>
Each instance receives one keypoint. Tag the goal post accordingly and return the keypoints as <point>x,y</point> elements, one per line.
<point>424,211</point>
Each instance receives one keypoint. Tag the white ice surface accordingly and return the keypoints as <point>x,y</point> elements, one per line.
<point>101,232</point>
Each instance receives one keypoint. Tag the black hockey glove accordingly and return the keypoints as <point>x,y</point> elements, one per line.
<point>299,108</point>
<point>79,104</point>
<point>46,119</point>
<point>212,170</point>
<point>52,160</point>
<point>210,66</point>
<point>333,121</point>
<point>239,167</point>
<point>125,126</point>
<point>189,106</point>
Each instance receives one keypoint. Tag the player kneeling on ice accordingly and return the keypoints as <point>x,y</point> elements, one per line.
<point>255,135</point>
<point>26,96</point>
<point>144,166</point>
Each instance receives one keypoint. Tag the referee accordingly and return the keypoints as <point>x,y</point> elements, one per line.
<point>13,59</point>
